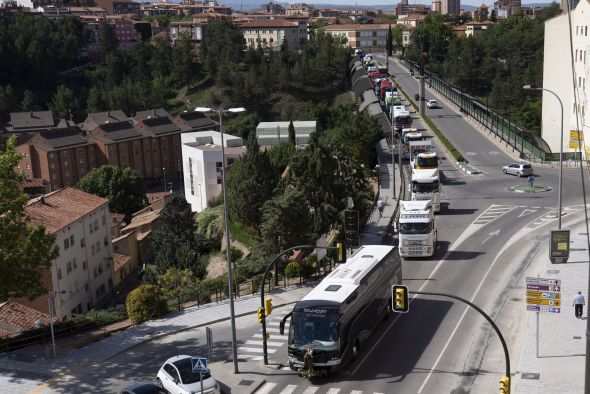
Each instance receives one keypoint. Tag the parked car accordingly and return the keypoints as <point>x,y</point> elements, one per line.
<point>142,388</point>
<point>518,169</point>
<point>432,104</point>
<point>177,377</point>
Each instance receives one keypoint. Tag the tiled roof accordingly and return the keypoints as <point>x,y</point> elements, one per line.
<point>32,119</point>
<point>159,126</point>
<point>117,131</point>
<point>120,260</point>
<point>58,209</point>
<point>35,182</point>
<point>357,27</point>
<point>61,138</point>
<point>268,23</point>
<point>156,196</point>
<point>100,118</point>
<point>116,218</point>
<point>16,318</point>
<point>154,113</point>
<point>196,120</point>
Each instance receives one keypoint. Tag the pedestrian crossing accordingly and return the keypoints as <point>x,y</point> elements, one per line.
<point>251,350</point>
<point>304,388</point>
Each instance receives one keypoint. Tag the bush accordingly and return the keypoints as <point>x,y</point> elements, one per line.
<point>145,302</point>
<point>293,269</point>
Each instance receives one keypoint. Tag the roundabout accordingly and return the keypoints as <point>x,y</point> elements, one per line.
<point>525,188</point>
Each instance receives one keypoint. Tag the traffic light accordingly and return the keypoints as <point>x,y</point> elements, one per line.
<point>260,315</point>
<point>267,306</point>
<point>340,248</point>
<point>400,299</point>
<point>505,385</point>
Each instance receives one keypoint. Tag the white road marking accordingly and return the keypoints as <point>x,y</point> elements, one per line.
<point>311,390</point>
<point>527,212</point>
<point>272,329</point>
<point>275,338</point>
<point>255,350</point>
<point>266,388</point>
<point>249,357</point>
<point>268,343</point>
<point>333,391</point>
<point>356,392</point>
<point>289,389</point>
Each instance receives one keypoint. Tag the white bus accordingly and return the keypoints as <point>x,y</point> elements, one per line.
<point>339,314</point>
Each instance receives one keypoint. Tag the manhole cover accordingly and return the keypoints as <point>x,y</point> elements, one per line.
<point>516,299</point>
<point>575,337</point>
<point>245,382</point>
<point>530,376</point>
<point>553,271</point>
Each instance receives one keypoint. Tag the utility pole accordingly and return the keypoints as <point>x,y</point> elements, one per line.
<point>422,87</point>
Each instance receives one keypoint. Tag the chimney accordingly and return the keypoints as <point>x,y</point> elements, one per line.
<point>42,199</point>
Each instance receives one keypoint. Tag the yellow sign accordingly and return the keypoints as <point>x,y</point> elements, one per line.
<point>538,301</point>
<point>561,246</point>
<point>542,294</point>
<point>574,144</point>
<point>575,134</point>
<point>535,294</point>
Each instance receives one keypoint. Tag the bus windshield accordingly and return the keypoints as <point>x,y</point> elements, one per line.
<point>415,228</point>
<point>425,187</point>
<point>316,327</point>
<point>426,162</point>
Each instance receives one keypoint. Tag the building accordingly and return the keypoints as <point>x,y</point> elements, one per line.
<point>202,165</point>
<point>413,20</point>
<point>61,157</point>
<point>81,277</point>
<point>88,11</point>
<point>404,8</point>
<point>300,9</point>
<point>271,33</point>
<point>450,7</point>
<point>480,14</point>
<point>119,7</point>
<point>436,6</point>
<point>273,133</point>
<point>272,8</point>
<point>16,318</point>
<point>505,8</point>
<point>24,125</point>
<point>557,77</point>
<point>474,29</point>
<point>369,36</point>
<point>194,121</point>
<point>193,28</point>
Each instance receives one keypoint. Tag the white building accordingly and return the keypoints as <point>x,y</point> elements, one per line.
<point>273,133</point>
<point>557,77</point>
<point>81,277</point>
<point>202,166</point>
<point>450,7</point>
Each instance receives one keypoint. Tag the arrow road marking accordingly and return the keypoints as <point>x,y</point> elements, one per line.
<point>527,212</point>
<point>490,235</point>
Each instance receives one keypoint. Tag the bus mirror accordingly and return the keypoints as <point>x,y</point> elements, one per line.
<point>282,323</point>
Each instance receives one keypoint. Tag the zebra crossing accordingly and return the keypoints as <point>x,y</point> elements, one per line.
<point>274,388</point>
<point>251,350</point>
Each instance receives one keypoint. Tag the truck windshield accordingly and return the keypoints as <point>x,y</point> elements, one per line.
<point>316,327</point>
<point>415,228</point>
<point>426,162</point>
<point>424,187</point>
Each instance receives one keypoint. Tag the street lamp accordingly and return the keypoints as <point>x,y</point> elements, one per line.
<point>220,112</point>
<point>50,309</point>
<point>528,87</point>
<point>164,172</point>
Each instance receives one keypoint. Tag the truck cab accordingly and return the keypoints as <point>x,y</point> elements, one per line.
<point>417,232</point>
<point>426,186</point>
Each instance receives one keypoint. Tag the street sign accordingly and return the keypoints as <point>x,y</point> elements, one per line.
<point>543,295</point>
<point>199,364</point>
<point>559,248</point>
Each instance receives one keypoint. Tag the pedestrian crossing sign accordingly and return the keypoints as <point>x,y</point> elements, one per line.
<point>199,364</point>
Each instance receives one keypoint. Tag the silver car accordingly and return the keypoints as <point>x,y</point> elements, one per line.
<point>518,169</point>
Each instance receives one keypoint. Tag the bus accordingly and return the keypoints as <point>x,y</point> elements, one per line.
<point>337,316</point>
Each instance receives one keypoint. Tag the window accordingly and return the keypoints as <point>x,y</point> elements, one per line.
<point>95,225</point>
<point>90,227</point>
<point>86,286</point>
<point>110,283</point>
<point>66,244</point>
<point>106,242</point>
<point>72,240</point>
<point>68,267</point>
<point>97,293</point>
<point>82,242</point>
<point>93,250</point>
<point>85,265</point>
<point>100,270</point>
<point>102,289</point>
<point>104,220</point>
<point>190,172</point>
<point>95,272</point>
<point>98,247</point>
<point>74,263</point>
<point>59,273</point>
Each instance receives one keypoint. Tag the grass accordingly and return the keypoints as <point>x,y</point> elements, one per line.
<point>243,235</point>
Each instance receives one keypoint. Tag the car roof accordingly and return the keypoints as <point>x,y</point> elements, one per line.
<point>172,360</point>
<point>143,387</point>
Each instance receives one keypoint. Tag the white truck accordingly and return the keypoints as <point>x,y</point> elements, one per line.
<point>426,186</point>
<point>417,233</point>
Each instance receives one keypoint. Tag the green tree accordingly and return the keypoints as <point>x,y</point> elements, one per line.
<point>389,44</point>
<point>63,103</point>
<point>28,102</point>
<point>123,188</point>
<point>176,282</point>
<point>184,66</point>
<point>7,101</point>
<point>174,242</point>
<point>144,303</point>
<point>26,251</point>
<point>107,39</point>
<point>292,137</point>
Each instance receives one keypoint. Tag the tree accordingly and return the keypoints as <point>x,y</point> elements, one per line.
<point>174,241</point>
<point>7,101</point>
<point>63,103</point>
<point>389,43</point>
<point>26,251</point>
<point>176,282</point>
<point>28,101</point>
<point>292,138</point>
<point>107,39</point>
<point>144,303</point>
<point>123,188</point>
<point>184,66</point>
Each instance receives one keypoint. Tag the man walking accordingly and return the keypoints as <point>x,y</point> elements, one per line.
<point>380,206</point>
<point>579,303</point>
<point>531,180</point>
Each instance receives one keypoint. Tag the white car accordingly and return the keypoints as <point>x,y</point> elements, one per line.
<point>176,377</point>
<point>432,104</point>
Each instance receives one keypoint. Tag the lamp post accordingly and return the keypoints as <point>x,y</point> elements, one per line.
<point>528,87</point>
<point>392,159</point>
<point>220,112</point>
<point>50,309</point>
<point>164,173</point>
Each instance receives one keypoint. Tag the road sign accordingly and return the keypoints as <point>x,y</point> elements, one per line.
<point>199,364</point>
<point>559,248</point>
<point>543,294</point>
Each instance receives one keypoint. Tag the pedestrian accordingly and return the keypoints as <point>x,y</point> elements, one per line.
<point>380,206</point>
<point>579,303</point>
<point>531,180</point>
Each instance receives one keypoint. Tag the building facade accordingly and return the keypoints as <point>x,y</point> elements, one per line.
<point>450,7</point>
<point>81,277</point>
<point>271,33</point>
<point>366,36</point>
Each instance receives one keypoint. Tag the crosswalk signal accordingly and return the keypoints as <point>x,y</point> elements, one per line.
<point>505,385</point>
<point>400,299</point>
<point>260,315</point>
<point>268,306</point>
<point>340,248</point>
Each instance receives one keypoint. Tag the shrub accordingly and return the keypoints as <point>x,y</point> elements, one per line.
<point>145,302</point>
<point>292,269</point>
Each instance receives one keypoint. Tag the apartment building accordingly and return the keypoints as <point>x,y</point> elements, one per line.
<point>119,7</point>
<point>81,277</point>
<point>450,7</point>
<point>24,125</point>
<point>300,9</point>
<point>202,165</point>
<point>271,33</point>
<point>273,133</point>
<point>366,36</point>
<point>559,78</point>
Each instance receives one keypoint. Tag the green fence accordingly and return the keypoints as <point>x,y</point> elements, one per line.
<point>513,135</point>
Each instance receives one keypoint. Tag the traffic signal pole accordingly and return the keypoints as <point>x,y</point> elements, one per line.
<point>262,284</point>
<point>505,382</point>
